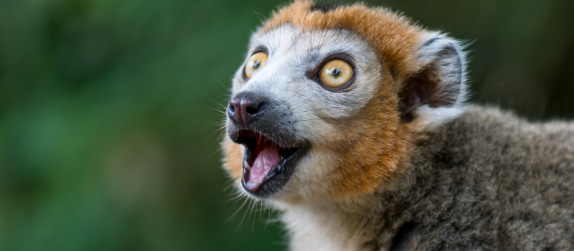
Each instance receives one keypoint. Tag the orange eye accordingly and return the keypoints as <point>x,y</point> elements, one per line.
<point>255,63</point>
<point>336,73</point>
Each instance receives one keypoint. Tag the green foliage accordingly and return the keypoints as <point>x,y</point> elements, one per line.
<point>110,112</point>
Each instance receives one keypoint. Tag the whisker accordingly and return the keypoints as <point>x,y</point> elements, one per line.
<point>238,209</point>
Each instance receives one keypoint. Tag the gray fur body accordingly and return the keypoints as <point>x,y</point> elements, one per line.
<point>487,180</point>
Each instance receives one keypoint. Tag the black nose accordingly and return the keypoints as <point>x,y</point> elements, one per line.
<point>246,107</point>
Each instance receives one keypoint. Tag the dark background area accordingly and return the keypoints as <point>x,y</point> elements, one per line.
<point>110,111</point>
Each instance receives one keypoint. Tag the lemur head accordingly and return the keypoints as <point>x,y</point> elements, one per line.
<point>330,98</point>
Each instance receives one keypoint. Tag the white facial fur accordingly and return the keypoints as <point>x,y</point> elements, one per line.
<point>292,53</point>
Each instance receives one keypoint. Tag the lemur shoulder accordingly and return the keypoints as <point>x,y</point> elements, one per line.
<point>352,122</point>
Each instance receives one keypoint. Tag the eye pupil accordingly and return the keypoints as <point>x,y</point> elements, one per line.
<point>336,72</point>
<point>256,64</point>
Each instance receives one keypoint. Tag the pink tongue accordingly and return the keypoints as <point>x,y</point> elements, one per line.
<point>267,158</point>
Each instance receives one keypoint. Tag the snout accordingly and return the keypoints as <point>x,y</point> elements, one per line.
<point>260,113</point>
<point>247,107</point>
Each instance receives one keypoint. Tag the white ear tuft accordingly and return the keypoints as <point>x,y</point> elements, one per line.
<point>437,92</point>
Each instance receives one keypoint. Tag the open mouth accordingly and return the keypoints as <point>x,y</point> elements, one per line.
<point>267,166</point>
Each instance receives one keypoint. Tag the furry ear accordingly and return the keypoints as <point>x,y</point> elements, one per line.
<point>437,92</point>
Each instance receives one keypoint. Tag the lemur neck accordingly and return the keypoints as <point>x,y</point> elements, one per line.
<point>369,223</point>
<point>326,226</point>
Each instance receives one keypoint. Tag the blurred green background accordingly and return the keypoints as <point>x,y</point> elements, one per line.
<point>109,111</point>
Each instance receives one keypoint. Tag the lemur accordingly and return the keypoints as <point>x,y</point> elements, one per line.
<point>352,122</point>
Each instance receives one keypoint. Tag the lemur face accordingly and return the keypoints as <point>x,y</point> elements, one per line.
<point>289,100</point>
<point>329,99</point>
